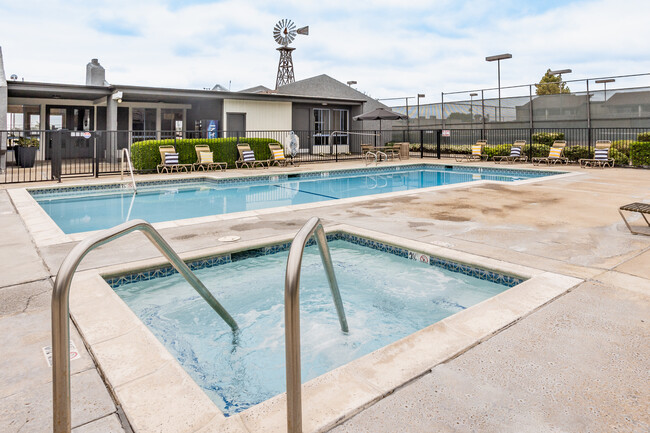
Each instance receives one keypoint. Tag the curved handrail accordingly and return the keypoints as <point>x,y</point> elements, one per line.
<point>125,152</point>
<point>61,307</point>
<point>292,313</point>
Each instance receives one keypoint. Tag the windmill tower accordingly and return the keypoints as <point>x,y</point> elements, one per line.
<point>284,33</point>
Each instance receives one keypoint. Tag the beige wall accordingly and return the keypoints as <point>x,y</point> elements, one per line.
<point>260,115</point>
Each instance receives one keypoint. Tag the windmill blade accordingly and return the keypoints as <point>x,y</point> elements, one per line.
<point>303,30</point>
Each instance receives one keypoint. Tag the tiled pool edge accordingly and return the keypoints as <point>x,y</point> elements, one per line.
<point>208,262</point>
<point>326,400</point>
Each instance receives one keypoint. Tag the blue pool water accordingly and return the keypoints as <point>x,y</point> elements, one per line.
<point>386,298</point>
<point>94,208</point>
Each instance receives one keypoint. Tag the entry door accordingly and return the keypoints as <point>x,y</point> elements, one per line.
<point>236,123</point>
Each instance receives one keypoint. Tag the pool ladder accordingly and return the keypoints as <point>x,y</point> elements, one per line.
<point>377,155</point>
<point>127,158</point>
<point>61,307</point>
<point>292,313</point>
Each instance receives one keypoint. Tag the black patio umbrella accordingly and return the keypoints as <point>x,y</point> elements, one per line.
<point>380,114</point>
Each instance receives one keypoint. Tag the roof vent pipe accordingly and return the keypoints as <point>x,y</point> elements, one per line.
<point>95,73</point>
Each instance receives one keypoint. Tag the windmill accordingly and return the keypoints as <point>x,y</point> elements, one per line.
<point>284,33</point>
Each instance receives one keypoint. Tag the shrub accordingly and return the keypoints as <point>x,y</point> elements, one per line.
<point>574,153</point>
<point>640,153</point>
<point>145,154</point>
<point>538,150</point>
<point>622,146</point>
<point>643,136</point>
<point>619,157</point>
<point>498,150</point>
<point>547,138</point>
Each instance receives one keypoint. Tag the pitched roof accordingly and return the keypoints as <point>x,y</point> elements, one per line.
<point>323,86</point>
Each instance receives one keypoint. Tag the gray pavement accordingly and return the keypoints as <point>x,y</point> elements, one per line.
<point>577,364</point>
<point>25,377</point>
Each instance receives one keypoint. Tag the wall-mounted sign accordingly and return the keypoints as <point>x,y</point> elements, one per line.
<point>446,133</point>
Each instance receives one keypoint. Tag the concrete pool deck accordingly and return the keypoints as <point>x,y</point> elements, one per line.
<point>579,363</point>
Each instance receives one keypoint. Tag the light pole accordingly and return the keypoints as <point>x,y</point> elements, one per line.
<point>351,82</point>
<point>420,95</point>
<point>604,82</point>
<point>471,107</point>
<point>559,73</point>
<point>498,59</point>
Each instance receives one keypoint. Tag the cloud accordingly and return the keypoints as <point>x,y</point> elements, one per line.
<point>391,49</point>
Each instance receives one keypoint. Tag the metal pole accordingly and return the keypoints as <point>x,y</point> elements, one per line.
<point>483,115</point>
<point>442,108</point>
<point>61,308</point>
<point>292,314</point>
<point>530,122</point>
<point>499,81</point>
<point>407,117</point>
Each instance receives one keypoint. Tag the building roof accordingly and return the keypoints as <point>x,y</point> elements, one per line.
<point>322,85</point>
<point>629,98</point>
<point>257,89</point>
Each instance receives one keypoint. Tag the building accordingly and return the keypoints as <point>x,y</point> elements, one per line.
<point>313,108</point>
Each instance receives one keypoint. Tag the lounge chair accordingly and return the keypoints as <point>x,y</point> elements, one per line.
<point>277,155</point>
<point>477,152</point>
<point>205,159</point>
<point>555,154</point>
<point>641,208</point>
<point>515,154</point>
<point>247,157</point>
<point>169,161</point>
<point>601,156</point>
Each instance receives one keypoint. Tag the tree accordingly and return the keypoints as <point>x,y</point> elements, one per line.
<point>551,84</point>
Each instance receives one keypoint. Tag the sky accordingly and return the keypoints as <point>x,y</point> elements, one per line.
<point>391,48</point>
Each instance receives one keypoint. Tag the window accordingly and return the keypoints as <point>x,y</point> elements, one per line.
<point>340,123</point>
<point>321,126</point>
<point>172,122</point>
<point>144,123</point>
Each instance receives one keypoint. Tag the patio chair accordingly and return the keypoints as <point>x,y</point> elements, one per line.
<point>169,161</point>
<point>277,155</point>
<point>555,154</point>
<point>642,208</point>
<point>477,152</point>
<point>205,159</point>
<point>247,157</point>
<point>515,154</point>
<point>392,151</point>
<point>601,156</point>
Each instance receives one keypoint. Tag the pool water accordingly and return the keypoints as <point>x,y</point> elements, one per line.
<point>386,298</point>
<point>87,210</point>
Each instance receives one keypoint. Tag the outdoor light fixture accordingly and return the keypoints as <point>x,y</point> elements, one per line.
<point>350,83</point>
<point>604,83</point>
<point>561,71</point>
<point>117,96</point>
<point>498,59</point>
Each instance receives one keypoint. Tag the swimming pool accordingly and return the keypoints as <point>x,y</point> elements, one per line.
<point>386,297</point>
<point>81,209</point>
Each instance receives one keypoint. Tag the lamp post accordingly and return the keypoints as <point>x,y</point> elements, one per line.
<point>604,83</point>
<point>420,95</point>
<point>471,107</point>
<point>351,82</point>
<point>498,59</point>
<point>559,73</point>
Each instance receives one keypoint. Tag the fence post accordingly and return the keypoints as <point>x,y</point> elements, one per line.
<point>95,156</point>
<point>438,140</point>
<point>55,156</point>
<point>421,143</point>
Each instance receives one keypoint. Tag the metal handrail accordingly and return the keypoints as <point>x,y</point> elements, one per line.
<point>61,307</point>
<point>125,153</point>
<point>292,313</point>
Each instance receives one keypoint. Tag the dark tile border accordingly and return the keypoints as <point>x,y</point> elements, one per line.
<point>482,274</point>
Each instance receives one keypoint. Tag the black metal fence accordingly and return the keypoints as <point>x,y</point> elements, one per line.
<point>33,156</point>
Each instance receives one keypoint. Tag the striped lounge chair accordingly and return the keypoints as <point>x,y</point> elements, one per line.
<point>601,156</point>
<point>247,157</point>
<point>205,159</point>
<point>277,155</point>
<point>169,161</point>
<point>477,152</point>
<point>555,154</point>
<point>515,154</point>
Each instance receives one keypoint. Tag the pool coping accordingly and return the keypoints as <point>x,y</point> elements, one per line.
<point>46,232</point>
<point>158,395</point>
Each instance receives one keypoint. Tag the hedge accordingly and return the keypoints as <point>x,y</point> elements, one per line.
<point>146,156</point>
<point>547,138</point>
<point>640,153</point>
<point>643,136</point>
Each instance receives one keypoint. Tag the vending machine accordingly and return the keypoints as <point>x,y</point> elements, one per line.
<point>207,128</point>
